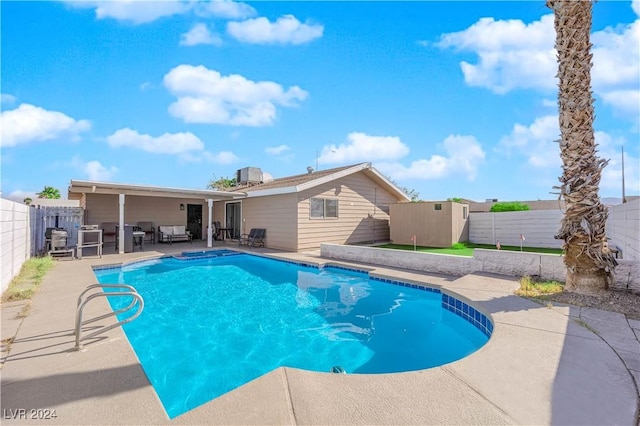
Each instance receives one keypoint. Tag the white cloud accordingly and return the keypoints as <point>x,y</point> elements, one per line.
<point>514,55</point>
<point>199,34</point>
<point>610,148</point>
<point>511,54</point>
<point>635,5</point>
<point>464,154</point>
<point>286,30</point>
<point>134,11</point>
<point>146,86</point>
<point>537,141</point>
<point>96,171</point>
<point>29,123</point>
<point>277,150</point>
<point>19,195</point>
<point>205,96</point>
<point>616,67</point>
<point>5,98</point>
<point>363,147</point>
<point>626,101</point>
<point>224,9</point>
<point>550,103</point>
<point>222,157</point>
<point>168,143</point>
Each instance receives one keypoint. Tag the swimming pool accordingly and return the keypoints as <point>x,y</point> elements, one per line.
<point>213,323</point>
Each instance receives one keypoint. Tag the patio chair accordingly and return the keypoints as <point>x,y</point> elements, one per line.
<point>255,238</point>
<point>216,230</point>
<point>109,230</point>
<point>149,231</point>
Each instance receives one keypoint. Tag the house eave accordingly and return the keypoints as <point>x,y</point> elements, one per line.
<point>95,187</point>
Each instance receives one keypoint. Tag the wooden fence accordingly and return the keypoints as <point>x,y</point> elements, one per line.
<point>43,217</point>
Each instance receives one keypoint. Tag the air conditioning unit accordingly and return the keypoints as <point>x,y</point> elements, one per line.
<point>249,175</point>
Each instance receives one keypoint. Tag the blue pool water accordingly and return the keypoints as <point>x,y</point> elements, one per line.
<point>211,324</point>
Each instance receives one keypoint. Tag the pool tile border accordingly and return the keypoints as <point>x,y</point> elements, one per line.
<point>468,312</point>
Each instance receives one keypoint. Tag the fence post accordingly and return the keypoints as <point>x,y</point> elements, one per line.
<point>493,227</point>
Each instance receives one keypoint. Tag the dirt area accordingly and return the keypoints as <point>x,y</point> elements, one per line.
<point>616,301</point>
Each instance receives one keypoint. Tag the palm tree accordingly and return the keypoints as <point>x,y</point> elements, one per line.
<point>49,192</point>
<point>590,265</point>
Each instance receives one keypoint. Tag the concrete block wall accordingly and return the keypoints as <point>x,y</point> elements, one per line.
<point>623,228</point>
<point>15,242</point>
<point>517,264</point>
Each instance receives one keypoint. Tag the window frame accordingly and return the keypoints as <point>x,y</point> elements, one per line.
<point>324,208</point>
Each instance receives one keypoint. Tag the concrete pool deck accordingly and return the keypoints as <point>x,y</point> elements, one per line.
<point>542,365</point>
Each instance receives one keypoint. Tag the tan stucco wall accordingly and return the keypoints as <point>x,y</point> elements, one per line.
<point>432,228</point>
<point>277,214</point>
<point>161,211</point>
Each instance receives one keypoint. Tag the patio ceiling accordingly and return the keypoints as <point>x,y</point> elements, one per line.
<point>94,187</point>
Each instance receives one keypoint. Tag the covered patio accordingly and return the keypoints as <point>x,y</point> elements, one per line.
<point>127,204</point>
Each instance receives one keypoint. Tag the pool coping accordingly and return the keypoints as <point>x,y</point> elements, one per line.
<point>532,370</point>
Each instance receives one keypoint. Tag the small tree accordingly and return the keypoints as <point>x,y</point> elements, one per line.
<point>27,201</point>
<point>222,184</point>
<point>411,193</point>
<point>49,192</point>
<point>455,199</point>
<point>514,206</point>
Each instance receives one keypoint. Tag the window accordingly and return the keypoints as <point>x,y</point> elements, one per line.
<point>323,208</point>
<point>464,212</point>
<point>437,206</point>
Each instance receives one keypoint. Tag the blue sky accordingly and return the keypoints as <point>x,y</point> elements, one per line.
<point>451,99</point>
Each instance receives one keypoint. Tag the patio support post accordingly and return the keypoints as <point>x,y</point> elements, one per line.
<point>121,227</point>
<point>209,230</point>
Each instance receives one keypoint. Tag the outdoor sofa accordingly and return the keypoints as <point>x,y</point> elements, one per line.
<point>172,233</point>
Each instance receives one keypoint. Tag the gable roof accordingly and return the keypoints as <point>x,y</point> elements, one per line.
<point>297,183</point>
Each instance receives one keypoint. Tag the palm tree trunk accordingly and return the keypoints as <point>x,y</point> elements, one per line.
<point>590,265</point>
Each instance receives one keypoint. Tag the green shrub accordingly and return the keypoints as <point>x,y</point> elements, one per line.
<point>512,206</point>
<point>458,246</point>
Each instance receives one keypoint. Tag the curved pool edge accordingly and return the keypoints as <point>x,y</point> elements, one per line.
<point>525,374</point>
<point>532,371</point>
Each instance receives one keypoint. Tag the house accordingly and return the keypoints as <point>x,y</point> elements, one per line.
<point>430,223</point>
<point>342,205</point>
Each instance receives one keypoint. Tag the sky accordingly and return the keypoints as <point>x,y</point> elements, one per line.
<point>448,99</point>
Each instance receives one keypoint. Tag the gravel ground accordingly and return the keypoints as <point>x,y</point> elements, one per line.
<point>617,301</point>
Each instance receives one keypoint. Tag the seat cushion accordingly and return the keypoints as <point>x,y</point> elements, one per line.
<point>166,230</point>
<point>179,230</point>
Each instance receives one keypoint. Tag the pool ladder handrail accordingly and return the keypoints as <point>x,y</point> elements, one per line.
<point>82,302</point>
